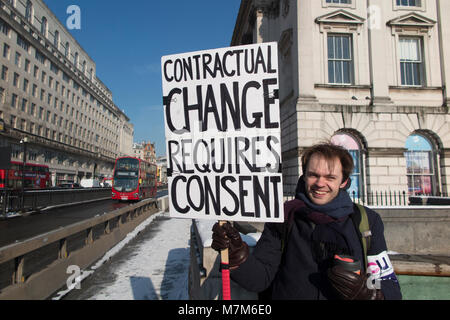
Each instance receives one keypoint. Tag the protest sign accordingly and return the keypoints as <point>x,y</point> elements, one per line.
<point>222,124</point>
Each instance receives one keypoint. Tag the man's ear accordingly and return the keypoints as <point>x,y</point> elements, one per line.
<point>346,184</point>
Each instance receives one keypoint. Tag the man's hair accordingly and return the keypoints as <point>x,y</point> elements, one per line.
<point>330,152</point>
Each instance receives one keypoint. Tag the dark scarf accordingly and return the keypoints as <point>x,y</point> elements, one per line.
<point>327,238</point>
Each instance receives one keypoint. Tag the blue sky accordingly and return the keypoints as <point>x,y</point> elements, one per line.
<point>127,40</point>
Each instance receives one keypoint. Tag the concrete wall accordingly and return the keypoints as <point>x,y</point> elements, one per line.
<point>417,230</point>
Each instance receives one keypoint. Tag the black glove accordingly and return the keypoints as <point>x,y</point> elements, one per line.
<point>352,286</point>
<point>227,237</point>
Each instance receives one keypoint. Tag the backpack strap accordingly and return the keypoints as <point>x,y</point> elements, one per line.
<point>287,228</point>
<point>361,222</point>
<point>285,231</point>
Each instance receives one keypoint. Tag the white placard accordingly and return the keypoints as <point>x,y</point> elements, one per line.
<point>222,124</point>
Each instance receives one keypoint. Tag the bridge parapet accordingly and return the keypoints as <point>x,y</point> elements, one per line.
<point>34,200</point>
<point>35,268</point>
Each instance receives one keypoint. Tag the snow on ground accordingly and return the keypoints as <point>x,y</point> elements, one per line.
<point>157,270</point>
<point>204,228</point>
<point>152,264</point>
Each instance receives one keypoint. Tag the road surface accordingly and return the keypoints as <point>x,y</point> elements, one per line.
<point>24,227</point>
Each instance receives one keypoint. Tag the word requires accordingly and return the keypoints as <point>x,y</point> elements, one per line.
<point>256,154</point>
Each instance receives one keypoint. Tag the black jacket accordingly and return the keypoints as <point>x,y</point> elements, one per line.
<point>297,273</point>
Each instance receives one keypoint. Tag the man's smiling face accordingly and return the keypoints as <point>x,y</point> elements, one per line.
<point>323,179</point>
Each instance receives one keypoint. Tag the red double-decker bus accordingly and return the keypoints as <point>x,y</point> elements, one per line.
<point>133,179</point>
<point>35,176</point>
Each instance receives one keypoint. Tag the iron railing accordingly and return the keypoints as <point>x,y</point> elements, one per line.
<point>382,198</point>
<point>393,198</point>
<point>12,201</point>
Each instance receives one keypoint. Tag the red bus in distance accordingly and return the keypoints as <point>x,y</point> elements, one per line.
<point>133,179</point>
<point>36,176</point>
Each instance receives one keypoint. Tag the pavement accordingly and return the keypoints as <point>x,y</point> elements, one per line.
<point>152,263</point>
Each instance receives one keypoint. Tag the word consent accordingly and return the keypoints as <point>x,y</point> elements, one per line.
<point>250,196</point>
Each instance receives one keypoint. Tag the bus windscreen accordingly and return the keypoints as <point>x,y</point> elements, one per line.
<point>126,175</point>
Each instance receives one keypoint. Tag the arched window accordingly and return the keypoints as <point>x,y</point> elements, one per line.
<point>420,165</point>
<point>75,60</point>
<point>56,40</point>
<point>44,26</point>
<point>67,52</point>
<point>350,143</point>
<point>29,11</point>
<point>12,2</point>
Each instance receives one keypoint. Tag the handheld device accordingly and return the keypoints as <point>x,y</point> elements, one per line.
<point>348,262</point>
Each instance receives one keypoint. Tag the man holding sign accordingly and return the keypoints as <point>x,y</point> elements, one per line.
<point>304,258</point>
<point>222,124</point>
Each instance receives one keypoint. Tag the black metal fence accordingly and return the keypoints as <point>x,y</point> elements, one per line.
<point>394,198</point>
<point>382,198</point>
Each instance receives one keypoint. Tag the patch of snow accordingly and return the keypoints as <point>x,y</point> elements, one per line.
<point>251,238</point>
<point>204,228</point>
<point>158,268</point>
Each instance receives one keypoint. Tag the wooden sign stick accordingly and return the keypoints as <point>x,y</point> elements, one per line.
<point>224,264</point>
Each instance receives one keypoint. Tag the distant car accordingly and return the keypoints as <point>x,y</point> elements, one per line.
<point>107,182</point>
<point>68,185</point>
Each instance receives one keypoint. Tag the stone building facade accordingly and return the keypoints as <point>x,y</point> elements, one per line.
<point>50,95</point>
<point>368,74</point>
<point>145,150</point>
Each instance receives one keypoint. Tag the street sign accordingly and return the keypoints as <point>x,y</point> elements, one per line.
<point>222,125</point>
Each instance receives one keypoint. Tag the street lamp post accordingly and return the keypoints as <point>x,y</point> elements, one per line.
<point>24,143</point>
